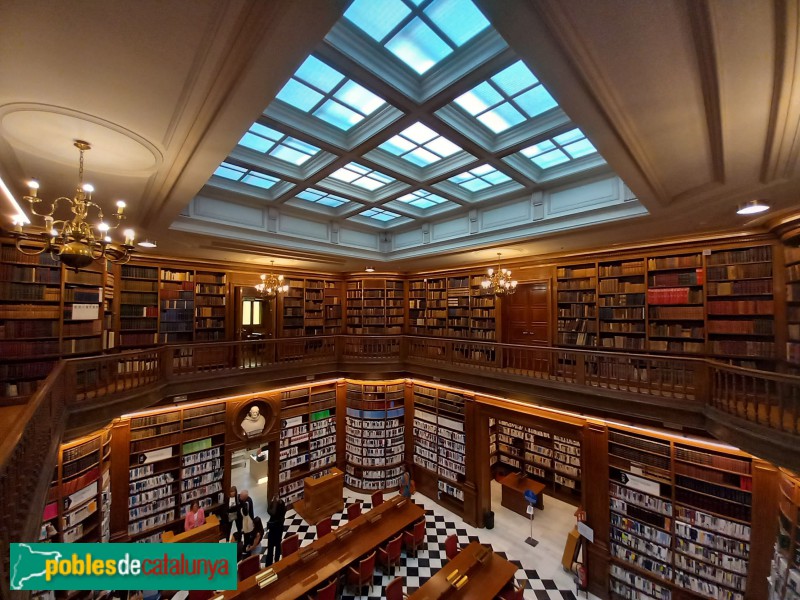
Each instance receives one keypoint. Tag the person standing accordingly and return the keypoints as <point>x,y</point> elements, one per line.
<point>229,514</point>
<point>277,515</point>
<point>405,484</point>
<point>194,517</point>
<point>245,520</point>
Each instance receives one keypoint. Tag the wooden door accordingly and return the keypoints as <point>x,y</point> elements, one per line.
<point>255,316</point>
<point>526,315</point>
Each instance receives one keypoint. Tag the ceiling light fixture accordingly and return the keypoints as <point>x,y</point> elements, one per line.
<point>73,241</point>
<point>369,270</point>
<point>147,243</point>
<point>271,285</point>
<point>752,207</point>
<point>499,281</point>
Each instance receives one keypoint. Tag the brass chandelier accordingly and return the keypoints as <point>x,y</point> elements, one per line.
<point>271,285</point>
<point>499,281</point>
<point>73,241</point>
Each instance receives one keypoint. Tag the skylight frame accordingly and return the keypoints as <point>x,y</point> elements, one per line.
<point>316,207</point>
<point>363,194</point>
<point>239,186</point>
<point>488,192</point>
<point>418,212</point>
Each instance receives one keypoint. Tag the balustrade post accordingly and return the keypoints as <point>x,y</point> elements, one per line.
<point>69,382</point>
<point>703,387</point>
<point>580,369</point>
<point>166,363</point>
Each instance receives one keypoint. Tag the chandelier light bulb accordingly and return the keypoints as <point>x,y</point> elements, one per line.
<point>120,206</point>
<point>107,239</point>
<point>88,188</point>
<point>130,235</point>
<point>53,233</point>
<point>33,185</point>
<point>102,227</point>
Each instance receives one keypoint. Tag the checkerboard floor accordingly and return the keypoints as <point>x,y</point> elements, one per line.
<point>431,558</point>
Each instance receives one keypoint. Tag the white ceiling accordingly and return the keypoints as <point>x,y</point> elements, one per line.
<point>693,105</point>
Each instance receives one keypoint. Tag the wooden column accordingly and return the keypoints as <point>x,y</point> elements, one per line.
<point>478,455</point>
<point>763,527</point>
<point>120,465</point>
<point>595,502</point>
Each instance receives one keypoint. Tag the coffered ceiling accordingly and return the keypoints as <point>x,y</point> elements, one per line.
<point>406,134</point>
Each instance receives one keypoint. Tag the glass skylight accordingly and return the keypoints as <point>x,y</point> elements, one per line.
<point>560,149</point>
<point>512,96</point>
<point>243,175</point>
<point>379,214</point>
<point>418,33</point>
<point>420,145</point>
<point>322,91</point>
<point>361,176</point>
<point>323,198</point>
<point>480,178</point>
<point>269,141</point>
<point>422,199</point>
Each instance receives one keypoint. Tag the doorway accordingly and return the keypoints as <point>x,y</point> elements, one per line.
<point>255,315</point>
<point>526,315</point>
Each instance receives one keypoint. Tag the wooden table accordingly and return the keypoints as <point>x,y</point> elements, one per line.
<point>514,488</point>
<point>314,564</point>
<point>485,579</point>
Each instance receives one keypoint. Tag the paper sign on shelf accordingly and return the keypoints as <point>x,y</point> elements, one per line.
<point>641,484</point>
<point>586,531</point>
<point>85,312</point>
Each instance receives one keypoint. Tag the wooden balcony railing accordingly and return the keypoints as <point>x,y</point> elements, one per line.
<point>32,433</point>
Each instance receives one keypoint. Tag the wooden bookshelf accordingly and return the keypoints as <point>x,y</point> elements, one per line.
<point>83,314</point>
<point>175,458</point>
<point>680,516</point>
<point>78,506</point>
<point>292,309</point>
<point>675,304</point>
<point>792,259</point>
<point>576,301</point>
<point>314,310</point>
<point>440,445</point>
<point>176,298</point>
<point>784,578</point>
<point>138,306</point>
<point>740,303</point>
<point>417,306</point>
<point>374,435</point>
<point>621,309</point>
<point>332,307</point>
<point>307,439</point>
<point>483,311</point>
<point>551,455</point>
<point>375,307</point>
<point>210,298</point>
<point>458,307</point>
<point>30,319</point>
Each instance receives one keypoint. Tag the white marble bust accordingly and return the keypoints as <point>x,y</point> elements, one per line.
<point>254,423</point>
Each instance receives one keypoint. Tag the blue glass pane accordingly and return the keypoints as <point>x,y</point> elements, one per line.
<point>381,177</point>
<point>331,201</point>
<point>310,195</point>
<point>538,148</point>
<point>255,142</point>
<point>515,78</point>
<point>501,118</point>
<point>479,98</point>
<point>475,184</point>
<point>460,20</point>
<point>496,177</point>
<point>418,46</point>
<point>377,19</point>
<point>482,170</point>
<point>301,146</point>
<point>385,216</point>
<point>337,115</point>
<point>536,101</point>
<point>442,147</point>
<point>435,198</point>
<point>344,175</point>
<point>397,145</point>
<point>421,157</point>
<point>299,95</point>
<point>422,203</point>
<point>569,136</point>
<point>229,171</point>
<point>580,148</point>
<point>261,181</point>
<point>368,183</point>
<point>359,98</point>
<point>318,74</point>
<point>358,168</point>
<point>419,133</point>
<point>290,155</point>
<point>555,157</point>
<point>267,132</point>
<point>460,177</point>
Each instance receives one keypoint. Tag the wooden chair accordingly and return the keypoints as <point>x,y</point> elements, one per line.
<point>324,527</point>
<point>512,591</point>
<point>377,498</point>
<point>327,592</point>
<point>415,538</point>
<point>290,545</point>
<point>389,555</point>
<point>248,566</point>
<point>353,511</point>
<point>362,576</point>
<point>394,590</point>
<point>451,546</point>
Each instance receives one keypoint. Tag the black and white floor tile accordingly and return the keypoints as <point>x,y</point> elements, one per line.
<point>431,558</point>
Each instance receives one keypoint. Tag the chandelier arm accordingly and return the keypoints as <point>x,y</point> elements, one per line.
<point>31,253</point>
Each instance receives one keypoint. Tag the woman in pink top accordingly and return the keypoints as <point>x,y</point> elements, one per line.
<point>194,517</point>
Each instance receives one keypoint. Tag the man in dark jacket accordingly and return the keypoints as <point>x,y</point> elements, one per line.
<point>277,515</point>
